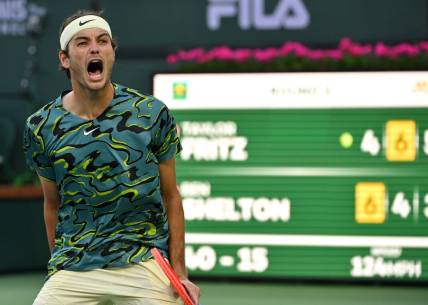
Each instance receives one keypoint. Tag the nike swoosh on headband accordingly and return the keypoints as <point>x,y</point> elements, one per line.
<point>85,22</point>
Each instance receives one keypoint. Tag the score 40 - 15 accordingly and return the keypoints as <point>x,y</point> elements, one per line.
<point>245,259</point>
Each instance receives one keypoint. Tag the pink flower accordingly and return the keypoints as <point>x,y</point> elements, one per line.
<point>315,54</point>
<point>287,48</point>
<point>221,53</point>
<point>382,50</point>
<point>265,54</point>
<point>423,45</point>
<point>300,50</point>
<point>172,59</point>
<point>345,44</point>
<point>360,50</point>
<point>404,49</point>
<point>204,58</point>
<point>334,54</point>
<point>190,55</point>
<point>241,55</point>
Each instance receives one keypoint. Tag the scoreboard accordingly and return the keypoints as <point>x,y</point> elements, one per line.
<point>303,175</point>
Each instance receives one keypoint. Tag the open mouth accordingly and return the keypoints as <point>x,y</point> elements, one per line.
<point>95,69</point>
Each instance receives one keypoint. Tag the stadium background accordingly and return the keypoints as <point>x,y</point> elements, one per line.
<point>147,32</point>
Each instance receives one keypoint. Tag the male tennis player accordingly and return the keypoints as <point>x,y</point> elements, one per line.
<point>105,155</point>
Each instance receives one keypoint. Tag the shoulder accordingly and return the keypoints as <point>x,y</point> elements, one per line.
<point>39,118</point>
<point>140,100</point>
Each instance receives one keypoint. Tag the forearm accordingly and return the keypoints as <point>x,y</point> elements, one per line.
<point>176,234</point>
<point>175,213</point>
<point>51,204</point>
<point>51,220</point>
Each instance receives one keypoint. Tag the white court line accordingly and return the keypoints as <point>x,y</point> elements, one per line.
<point>306,240</point>
<point>302,172</point>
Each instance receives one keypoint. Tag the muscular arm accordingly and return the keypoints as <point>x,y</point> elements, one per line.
<point>50,208</point>
<point>174,210</point>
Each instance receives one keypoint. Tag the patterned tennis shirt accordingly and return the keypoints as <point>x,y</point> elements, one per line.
<point>107,172</point>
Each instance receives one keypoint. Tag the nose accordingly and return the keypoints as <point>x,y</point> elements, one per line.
<point>93,47</point>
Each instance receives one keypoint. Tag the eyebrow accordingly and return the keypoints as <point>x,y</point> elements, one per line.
<point>86,37</point>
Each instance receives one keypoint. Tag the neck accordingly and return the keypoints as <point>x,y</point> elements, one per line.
<point>87,103</point>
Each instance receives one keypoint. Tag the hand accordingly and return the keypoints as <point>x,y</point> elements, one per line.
<point>192,289</point>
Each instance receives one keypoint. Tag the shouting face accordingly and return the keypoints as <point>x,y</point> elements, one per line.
<point>89,59</point>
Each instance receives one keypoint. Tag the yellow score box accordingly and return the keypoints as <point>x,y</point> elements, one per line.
<point>370,202</point>
<point>401,140</point>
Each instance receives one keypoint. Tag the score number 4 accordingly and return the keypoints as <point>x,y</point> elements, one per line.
<point>401,205</point>
<point>370,143</point>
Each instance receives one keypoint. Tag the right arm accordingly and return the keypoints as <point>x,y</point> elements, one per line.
<point>50,208</point>
<point>38,159</point>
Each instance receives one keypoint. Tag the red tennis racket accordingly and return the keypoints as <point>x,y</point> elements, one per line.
<point>169,272</point>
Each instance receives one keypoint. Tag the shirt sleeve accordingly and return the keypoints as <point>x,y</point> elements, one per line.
<point>35,155</point>
<point>166,143</point>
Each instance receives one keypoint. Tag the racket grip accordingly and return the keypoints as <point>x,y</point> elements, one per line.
<point>170,274</point>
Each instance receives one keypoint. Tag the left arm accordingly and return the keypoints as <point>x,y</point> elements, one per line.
<point>174,210</point>
<point>175,213</point>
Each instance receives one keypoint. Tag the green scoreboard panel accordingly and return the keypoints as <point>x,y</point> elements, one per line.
<point>303,175</point>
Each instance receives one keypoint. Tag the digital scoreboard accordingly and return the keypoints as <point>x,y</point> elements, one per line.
<point>303,175</point>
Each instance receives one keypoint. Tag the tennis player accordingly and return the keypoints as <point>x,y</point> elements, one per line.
<point>105,155</point>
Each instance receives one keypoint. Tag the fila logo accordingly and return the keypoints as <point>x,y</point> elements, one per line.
<point>287,14</point>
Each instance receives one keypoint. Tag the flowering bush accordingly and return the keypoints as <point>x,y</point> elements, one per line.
<point>294,56</point>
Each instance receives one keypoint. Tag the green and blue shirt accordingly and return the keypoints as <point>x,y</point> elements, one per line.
<point>107,172</point>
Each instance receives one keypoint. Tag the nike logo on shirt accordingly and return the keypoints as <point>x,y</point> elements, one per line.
<point>90,131</point>
<point>85,22</point>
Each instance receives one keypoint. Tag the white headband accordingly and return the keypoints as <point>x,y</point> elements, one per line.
<point>81,23</point>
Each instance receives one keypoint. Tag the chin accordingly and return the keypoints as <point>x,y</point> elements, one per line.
<point>98,85</point>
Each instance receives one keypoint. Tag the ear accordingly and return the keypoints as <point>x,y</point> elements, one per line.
<point>64,59</point>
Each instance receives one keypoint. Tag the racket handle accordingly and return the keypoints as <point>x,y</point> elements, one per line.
<point>170,274</point>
